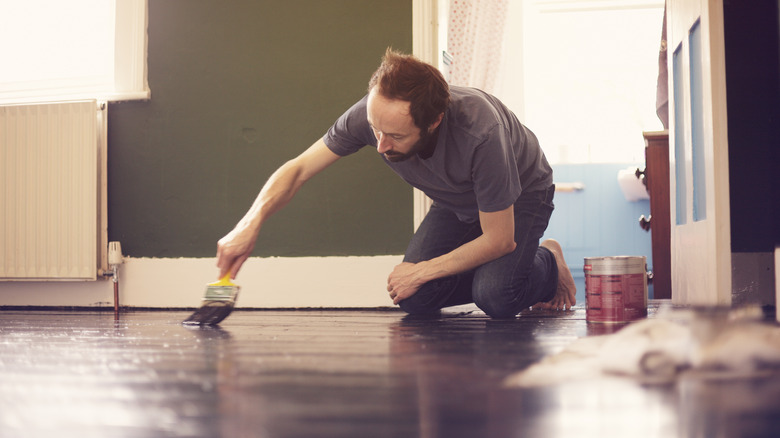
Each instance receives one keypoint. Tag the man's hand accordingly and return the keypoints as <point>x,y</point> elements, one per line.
<point>234,249</point>
<point>404,281</point>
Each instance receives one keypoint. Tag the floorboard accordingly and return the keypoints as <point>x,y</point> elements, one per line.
<point>337,373</point>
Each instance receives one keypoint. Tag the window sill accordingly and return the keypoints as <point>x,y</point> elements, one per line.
<point>49,98</point>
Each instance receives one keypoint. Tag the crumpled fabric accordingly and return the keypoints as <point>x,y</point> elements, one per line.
<point>712,343</point>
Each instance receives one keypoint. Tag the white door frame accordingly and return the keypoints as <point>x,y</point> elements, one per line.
<point>425,46</point>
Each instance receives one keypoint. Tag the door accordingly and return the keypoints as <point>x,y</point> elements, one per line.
<point>698,154</point>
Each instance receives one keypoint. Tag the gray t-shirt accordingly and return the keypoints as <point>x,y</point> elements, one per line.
<point>484,157</point>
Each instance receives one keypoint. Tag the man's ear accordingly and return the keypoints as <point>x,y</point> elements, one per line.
<point>436,123</point>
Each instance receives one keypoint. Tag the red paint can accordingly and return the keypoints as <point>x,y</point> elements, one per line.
<point>615,288</point>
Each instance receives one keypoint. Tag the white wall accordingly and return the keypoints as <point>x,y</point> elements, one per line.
<point>265,283</point>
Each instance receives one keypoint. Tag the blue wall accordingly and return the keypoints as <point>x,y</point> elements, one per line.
<point>597,221</point>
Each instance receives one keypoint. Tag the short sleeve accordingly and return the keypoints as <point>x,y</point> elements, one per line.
<point>351,131</point>
<point>494,172</point>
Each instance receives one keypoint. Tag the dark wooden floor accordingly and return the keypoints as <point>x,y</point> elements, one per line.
<point>337,374</point>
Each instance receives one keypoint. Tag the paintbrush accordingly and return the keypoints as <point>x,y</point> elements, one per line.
<point>218,302</point>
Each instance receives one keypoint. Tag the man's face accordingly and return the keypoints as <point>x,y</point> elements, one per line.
<point>398,138</point>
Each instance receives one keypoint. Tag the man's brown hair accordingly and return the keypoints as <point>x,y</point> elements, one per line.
<point>406,78</point>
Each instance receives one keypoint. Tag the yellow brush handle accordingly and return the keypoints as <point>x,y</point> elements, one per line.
<point>224,281</point>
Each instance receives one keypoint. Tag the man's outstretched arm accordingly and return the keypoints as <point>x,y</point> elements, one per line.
<point>237,245</point>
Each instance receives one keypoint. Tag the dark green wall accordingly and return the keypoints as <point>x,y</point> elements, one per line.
<point>239,87</point>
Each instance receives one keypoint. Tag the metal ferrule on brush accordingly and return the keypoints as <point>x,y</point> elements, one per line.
<point>218,302</point>
<point>221,293</point>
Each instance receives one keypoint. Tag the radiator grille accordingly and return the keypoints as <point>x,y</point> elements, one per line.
<point>49,190</point>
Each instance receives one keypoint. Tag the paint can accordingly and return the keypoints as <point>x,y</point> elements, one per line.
<point>615,288</point>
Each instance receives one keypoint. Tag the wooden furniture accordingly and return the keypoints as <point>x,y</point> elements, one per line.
<point>657,181</point>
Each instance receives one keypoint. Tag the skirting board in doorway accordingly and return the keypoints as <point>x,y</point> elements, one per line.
<point>278,282</point>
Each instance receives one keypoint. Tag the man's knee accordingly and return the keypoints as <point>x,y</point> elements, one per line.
<point>434,295</point>
<point>496,302</point>
<point>419,303</point>
<point>414,306</point>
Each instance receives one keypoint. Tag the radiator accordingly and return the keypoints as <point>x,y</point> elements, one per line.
<point>53,191</point>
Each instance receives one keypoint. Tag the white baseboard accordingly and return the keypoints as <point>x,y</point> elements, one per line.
<point>752,278</point>
<point>292,282</point>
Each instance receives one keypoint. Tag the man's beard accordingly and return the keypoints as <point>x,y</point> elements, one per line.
<point>424,145</point>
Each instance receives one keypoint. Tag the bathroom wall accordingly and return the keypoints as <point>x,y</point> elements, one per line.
<point>597,221</point>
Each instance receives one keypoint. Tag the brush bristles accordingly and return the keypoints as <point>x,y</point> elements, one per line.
<point>218,302</point>
<point>211,313</point>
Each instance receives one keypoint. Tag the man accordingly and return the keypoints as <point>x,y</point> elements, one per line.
<point>489,180</point>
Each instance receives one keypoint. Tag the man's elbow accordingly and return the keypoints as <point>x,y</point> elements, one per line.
<point>506,246</point>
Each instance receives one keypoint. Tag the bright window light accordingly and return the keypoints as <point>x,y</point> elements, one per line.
<point>59,50</point>
<point>582,75</point>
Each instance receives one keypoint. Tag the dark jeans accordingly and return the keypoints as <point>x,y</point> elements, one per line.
<point>502,287</point>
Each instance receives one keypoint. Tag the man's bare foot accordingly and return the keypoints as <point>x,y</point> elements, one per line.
<point>565,294</point>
